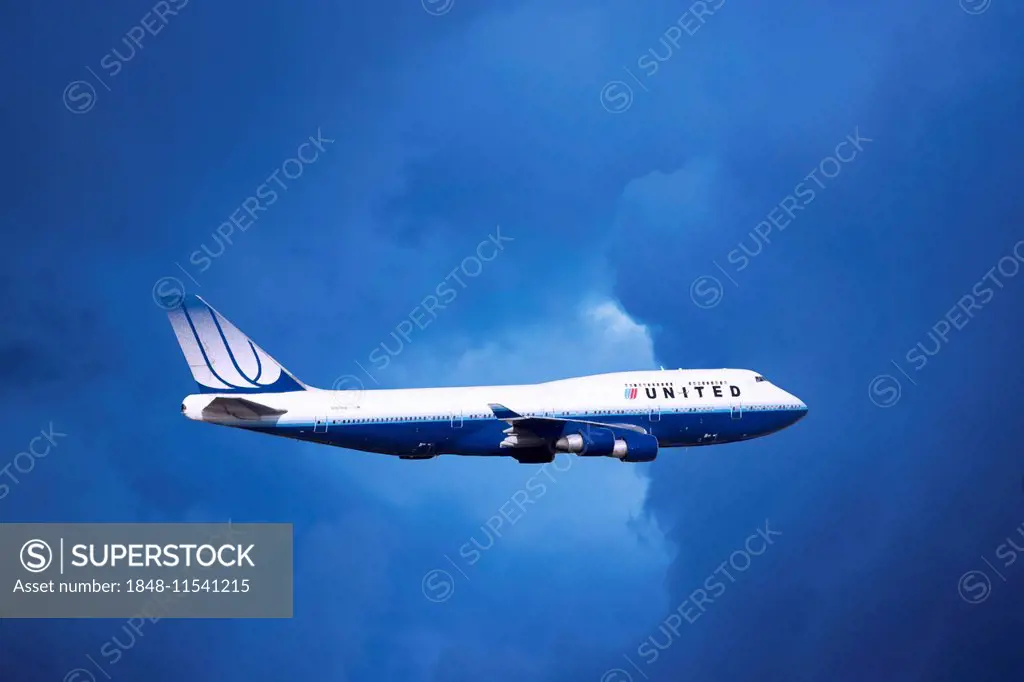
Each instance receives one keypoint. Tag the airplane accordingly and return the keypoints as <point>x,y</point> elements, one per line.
<point>629,416</point>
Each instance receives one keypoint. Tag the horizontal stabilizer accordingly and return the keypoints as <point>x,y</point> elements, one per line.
<point>238,408</point>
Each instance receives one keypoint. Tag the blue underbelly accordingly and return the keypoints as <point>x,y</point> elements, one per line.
<point>483,436</point>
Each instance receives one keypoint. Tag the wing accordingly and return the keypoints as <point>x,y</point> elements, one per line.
<point>534,431</point>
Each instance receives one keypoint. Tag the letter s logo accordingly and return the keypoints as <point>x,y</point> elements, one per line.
<point>36,556</point>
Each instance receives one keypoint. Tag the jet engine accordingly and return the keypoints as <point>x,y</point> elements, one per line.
<point>598,442</point>
<point>636,447</point>
<point>592,443</point>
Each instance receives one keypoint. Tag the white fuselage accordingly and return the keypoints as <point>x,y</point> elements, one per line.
<point>678,407</point>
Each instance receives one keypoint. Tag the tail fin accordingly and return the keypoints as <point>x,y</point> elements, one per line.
<point>222,358</point>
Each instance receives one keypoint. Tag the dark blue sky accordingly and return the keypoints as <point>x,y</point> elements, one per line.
<point>635,156</point>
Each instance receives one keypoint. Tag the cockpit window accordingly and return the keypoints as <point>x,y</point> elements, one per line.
<point>759,378</point>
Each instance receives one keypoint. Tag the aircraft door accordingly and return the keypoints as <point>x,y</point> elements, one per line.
<point>737,410</point>
<point>655,414</point>
<point>320,425</point>
<point>457,419</point>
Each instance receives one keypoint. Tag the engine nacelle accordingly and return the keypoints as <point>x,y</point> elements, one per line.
<point>594,443</point>
<point>636,447</point>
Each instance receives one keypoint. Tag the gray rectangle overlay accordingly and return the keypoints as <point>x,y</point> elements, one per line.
<point>145,570</point>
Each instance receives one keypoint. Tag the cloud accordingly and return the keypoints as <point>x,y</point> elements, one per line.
<point>674,203</point>
<point>594,503</point>
<point>598,336</point>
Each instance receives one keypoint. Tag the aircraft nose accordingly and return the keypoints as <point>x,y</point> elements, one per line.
<point>798,407</point>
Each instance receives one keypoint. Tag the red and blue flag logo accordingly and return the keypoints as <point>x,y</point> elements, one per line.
<point>630,394</point>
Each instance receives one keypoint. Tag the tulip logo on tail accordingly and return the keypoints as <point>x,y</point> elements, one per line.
<point>221,357</point>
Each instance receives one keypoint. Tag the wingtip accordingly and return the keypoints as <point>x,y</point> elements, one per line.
<point>502,412</point>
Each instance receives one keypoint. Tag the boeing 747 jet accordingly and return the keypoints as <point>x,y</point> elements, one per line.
<point>626,415</point>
